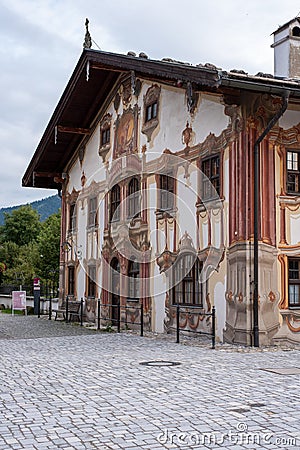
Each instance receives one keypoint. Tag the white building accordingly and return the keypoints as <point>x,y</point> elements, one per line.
<point>158,173</point>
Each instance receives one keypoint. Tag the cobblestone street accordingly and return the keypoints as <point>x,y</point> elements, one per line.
<point>68,387</point>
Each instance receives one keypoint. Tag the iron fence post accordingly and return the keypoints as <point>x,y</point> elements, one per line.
<point>98,313</point>
<point>50,308</point>
<point>67,308</point>
<point>142,318</point>
<point>81,311</point>
<point>213,331</point>
<point>177,322</point>
<point>119,315</point>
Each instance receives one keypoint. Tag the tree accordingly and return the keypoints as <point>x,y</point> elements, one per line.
<point>21,226</point>
<point>48,244</point>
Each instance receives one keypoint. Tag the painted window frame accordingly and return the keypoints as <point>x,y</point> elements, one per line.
<point>71,280</point>
<point>188,291</point>
<point>92,212</point>
<point>91,281</point>
<point>293,282</point>
<point>133,198</point>
<point>167,186</point>
<point>211,177</point>
<point>115,202</point>
<point>133,280</point>
<point>292,171</point>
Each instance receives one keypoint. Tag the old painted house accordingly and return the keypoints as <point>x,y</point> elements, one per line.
<point>180,184</point>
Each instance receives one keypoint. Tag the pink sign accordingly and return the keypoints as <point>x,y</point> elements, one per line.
<point>19,300</point>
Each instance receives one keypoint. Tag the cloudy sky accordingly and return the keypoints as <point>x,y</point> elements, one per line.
<point>41,41</point>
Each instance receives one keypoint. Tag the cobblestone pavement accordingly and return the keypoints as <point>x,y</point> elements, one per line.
<point>66,387</point>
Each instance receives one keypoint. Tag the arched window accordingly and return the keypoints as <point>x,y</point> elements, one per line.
<point>115,200</point>
<point>115,276</point>
<point>296,31</point>
<point>133,280</point>
<point>133,197</point>
<point>186,281</point>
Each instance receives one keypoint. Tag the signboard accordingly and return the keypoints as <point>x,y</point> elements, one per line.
<point>18,300</point>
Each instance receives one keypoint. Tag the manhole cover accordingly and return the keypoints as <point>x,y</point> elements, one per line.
<point>284,371</point>
<point>160,363</point>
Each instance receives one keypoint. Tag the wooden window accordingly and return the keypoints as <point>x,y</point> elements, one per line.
<point>151,111</point>
<point>105,136</point>
<point>187,287</point>
<point>92,281</point>
<point>133,197</point>
<point>133,280</point>
<point>92,218</point>
<point>71,280</point>
<point>115,200</point>
<point>293,171</point>
<point>210,185</point>
<point>294,283</point>
<point>72,217</point>
<point>166,193</point>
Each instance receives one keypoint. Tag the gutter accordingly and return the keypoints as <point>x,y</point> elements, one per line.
<point>259,84</point>
<point>257,143</point>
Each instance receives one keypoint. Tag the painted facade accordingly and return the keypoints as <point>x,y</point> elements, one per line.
<point>157,177</point>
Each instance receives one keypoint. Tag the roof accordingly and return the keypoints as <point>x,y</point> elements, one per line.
<point>282,27</point>
<point>95,76</point>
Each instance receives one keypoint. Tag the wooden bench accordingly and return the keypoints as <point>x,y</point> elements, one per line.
<point>73,310</point>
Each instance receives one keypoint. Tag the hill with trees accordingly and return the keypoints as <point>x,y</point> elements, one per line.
<point>29,247</point>
<point>45,208</point>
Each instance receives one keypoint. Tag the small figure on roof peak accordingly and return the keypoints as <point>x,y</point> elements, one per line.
<point>87,39</point>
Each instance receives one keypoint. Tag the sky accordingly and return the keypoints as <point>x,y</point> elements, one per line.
<point>41,42</point>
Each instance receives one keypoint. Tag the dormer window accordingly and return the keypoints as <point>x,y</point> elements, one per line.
<point>296,31</point>
<point>104,145</point>
<point>151,108</point>
<point>151,111</point>
<point>105,136</point>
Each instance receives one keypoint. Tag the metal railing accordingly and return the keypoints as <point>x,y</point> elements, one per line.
<point>118,320</point>
<point>212,314</point>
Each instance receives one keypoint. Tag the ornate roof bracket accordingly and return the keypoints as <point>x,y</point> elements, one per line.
<point>74,130</point>
<point>192,98</point>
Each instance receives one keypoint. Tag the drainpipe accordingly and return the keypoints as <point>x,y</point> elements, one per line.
<point>257,212</point>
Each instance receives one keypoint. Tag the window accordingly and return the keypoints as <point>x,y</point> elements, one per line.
<point>133,197</point>
<point>166,193</point>
<point>211,181</point>
<point>72,217</point>
<point>105,136</point>
<point>92,281</point>
<point>151,111</point>
<point>294,283</point>
<point>151,107</point>
<point>92,219</point>
<point>115,200</point>
<point>133,280</point>
<point>71,280</point>
<point>293,172</point>
<point>296,31</point>
<point>187,287</point>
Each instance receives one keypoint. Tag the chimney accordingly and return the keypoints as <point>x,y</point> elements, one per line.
<point>287,50</point>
